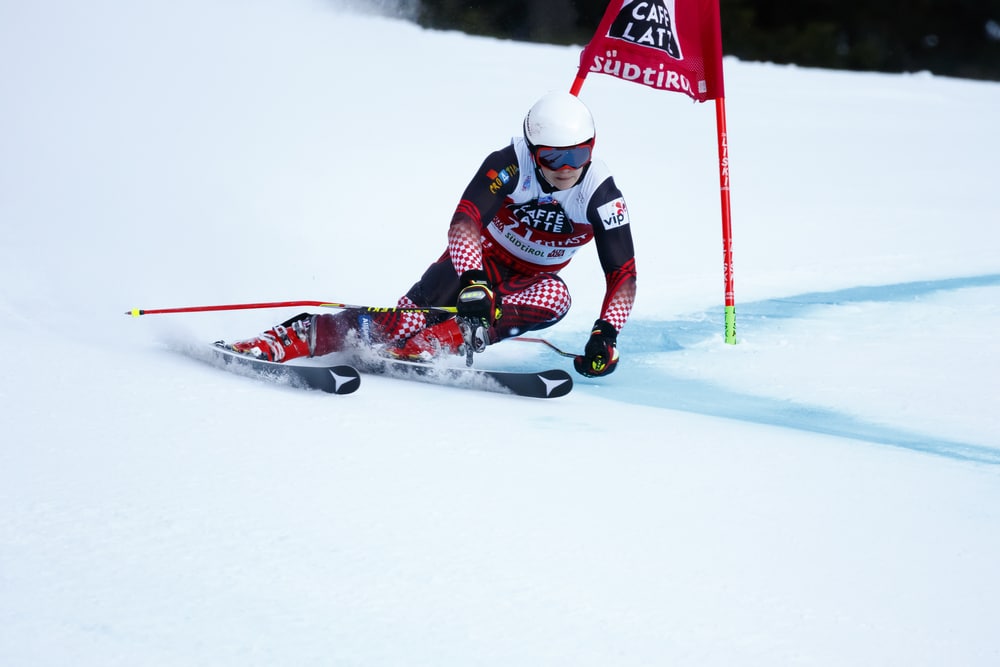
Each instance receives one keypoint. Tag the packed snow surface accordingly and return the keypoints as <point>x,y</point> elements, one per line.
<point>824,492</point>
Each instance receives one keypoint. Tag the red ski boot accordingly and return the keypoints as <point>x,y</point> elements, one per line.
<point>289,340</point>
<point>442,338</point>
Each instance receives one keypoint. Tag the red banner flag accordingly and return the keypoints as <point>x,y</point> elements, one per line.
<point>673,45</point>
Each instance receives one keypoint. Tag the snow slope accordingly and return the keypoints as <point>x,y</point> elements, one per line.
<point>826,492</point>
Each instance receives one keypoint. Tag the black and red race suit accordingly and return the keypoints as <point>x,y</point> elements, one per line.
<point>513,225</point>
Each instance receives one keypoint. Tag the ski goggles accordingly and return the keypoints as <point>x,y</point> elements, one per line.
<point>570,157</point>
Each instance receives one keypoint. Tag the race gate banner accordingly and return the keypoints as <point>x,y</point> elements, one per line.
<point>673,45</point>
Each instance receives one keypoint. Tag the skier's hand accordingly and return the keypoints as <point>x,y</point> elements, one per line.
<point>600,356</point>
<point>477,299</point>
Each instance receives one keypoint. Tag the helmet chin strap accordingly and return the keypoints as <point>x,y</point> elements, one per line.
<point>547,187</point>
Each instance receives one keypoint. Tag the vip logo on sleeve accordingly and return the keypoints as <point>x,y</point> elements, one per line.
<point>613,214</point>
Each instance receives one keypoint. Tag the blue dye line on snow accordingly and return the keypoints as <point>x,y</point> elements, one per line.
<point>653,388</point>
<point>650,386</point>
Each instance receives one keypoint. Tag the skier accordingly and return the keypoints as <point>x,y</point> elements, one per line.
<point>525,213</point>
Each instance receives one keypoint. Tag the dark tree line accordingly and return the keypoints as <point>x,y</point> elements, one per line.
<point>948,37</point>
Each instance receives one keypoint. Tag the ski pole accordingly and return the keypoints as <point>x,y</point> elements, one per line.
<point>136,312</point>
<point>564,353</point>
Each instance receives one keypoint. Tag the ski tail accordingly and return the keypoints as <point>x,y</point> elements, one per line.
<point>338,379</point>
<point>552,383</point>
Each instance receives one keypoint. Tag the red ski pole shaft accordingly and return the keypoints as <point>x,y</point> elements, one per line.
<point>136,312</point>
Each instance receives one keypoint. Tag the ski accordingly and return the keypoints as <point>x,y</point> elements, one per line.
<point>339,379</point>
<point>345,379</point>
<point>544,384</point>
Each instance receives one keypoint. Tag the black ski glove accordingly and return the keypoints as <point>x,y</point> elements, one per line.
<point>477,300</point>
<point>600,356</point>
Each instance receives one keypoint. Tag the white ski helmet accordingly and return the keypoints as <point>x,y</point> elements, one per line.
<point>558,119</point>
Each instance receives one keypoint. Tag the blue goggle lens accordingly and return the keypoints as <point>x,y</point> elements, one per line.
<point>573,157</point>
